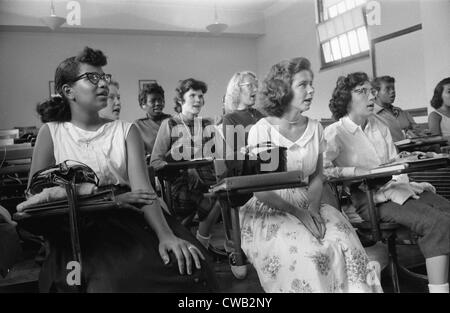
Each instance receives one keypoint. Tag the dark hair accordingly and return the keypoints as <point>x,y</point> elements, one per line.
<point>276,94</point>
<point>436,101</point>
<point>57,109</point>
<point>183,87</point>
<point>149,89</point>
<point>342,95</point>
<point>376,83</point>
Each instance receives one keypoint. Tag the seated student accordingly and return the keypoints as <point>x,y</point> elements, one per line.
<point>239,102</point>
<point>358,142</point>
<point>185,136</point>
<point>151,101</point>
<point>279,238</point>
<point>439,120</point>
<point>121,252</point>
<point>113,104</point>
<point>400,123</point>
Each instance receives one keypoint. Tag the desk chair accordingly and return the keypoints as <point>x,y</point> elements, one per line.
<point>388,233</point>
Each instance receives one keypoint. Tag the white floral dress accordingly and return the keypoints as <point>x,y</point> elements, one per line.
<point>287,257</point>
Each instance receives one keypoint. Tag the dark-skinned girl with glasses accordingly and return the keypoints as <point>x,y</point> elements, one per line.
<point>122,252</point>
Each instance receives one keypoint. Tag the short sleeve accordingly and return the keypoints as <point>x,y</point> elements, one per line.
<point>259,134</point>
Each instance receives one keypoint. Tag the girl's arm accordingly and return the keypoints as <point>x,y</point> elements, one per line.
<point>161,146</point>
<point>139,181</point>
<point>43,152</point>
<point>316,186</point>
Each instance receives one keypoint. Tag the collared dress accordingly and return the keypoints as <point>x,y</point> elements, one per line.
<point>286,256</point>
<point>180,140</point>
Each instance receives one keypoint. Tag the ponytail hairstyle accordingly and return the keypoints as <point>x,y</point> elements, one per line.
<point>57,108</point>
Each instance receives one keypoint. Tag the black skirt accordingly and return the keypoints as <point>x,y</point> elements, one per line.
<point>120,254</point>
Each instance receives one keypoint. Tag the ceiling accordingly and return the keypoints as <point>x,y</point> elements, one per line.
<point>244,17</point>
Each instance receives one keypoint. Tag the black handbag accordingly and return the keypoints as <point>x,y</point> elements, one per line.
<point>270,159</point>
<point>41,218</point>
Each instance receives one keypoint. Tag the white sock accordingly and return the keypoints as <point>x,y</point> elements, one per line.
<point>438,288</point>
<point>203,240</point>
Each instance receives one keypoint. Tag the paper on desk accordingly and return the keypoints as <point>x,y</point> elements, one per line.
<point>55,193</point>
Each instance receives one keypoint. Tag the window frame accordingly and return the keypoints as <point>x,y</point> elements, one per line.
<point>355,57</point>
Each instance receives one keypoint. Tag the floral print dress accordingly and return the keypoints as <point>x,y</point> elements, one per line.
<point>287,257</point>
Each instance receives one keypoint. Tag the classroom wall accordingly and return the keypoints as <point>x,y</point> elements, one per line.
<point>28,61</point>
<point>291,31</point>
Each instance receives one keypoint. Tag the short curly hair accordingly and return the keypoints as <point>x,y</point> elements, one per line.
<point>183,87</point>
<point>276,92</point>
<point>149,89</point>
<point>342,95</point>
<point>436,100</point>
<point>376,82</point>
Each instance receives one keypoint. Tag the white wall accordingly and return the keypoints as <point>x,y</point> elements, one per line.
<point>28,61</point>
<point>291,32</point>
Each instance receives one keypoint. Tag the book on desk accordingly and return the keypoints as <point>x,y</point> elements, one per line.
<point>418,140</point>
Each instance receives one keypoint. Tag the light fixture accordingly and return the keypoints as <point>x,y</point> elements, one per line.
<point>216,27</point>
<point>53,21</point>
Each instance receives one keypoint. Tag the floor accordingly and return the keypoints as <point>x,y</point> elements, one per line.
<point>229,284</point>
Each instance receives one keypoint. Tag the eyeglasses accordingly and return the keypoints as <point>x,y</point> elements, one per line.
<point>94,77</point>
<point>252,85</point>
<point>365,91</point>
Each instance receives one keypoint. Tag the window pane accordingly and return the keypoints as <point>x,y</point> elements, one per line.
<point>331,31</point>
<point>363,41</point>
<point>348,21</point>
<point>327,52</point>
<point>353,40</point>
<point>350,4</point>
<point>336,49</point>
<point>333,11</point>
<point>344,45</point>
<point>325,15</point>
<point>339,25</point>
<point>341,7</point>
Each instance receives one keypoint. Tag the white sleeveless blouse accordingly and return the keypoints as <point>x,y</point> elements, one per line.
<point>103,150</point>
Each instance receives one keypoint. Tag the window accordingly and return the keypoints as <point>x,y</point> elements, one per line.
<point>342,30</point>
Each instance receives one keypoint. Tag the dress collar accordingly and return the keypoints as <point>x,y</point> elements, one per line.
<point>302,141</point>
<point>352,127</point>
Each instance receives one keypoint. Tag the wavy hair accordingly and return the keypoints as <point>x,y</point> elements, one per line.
<point>276,91</point>
<point>183,87</point>
<point>436,100</point>
<point>342,95</point>
<point>232,95</point>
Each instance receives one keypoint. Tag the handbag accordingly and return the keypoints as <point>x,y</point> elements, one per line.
<point>42,218</point>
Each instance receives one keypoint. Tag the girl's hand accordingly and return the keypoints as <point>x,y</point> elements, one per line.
<point>138,197</point>
<point>184,251</point>
<point>311,223</point>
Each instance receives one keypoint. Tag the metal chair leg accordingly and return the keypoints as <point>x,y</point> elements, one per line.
<point>393,263</point>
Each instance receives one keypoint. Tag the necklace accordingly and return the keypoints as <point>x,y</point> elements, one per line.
<point>187,128</point>
<point>294,122</point>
